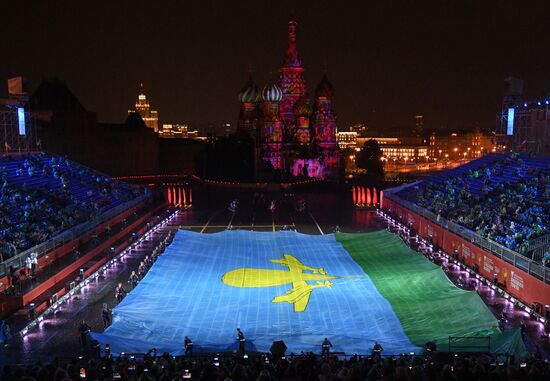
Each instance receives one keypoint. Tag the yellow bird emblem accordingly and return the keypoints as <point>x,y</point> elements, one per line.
<point>299,293</point>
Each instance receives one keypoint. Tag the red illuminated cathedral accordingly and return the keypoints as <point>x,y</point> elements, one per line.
<point>295,135</point>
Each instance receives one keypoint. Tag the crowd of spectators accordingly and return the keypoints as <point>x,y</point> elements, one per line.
<point>42,195</point>
<point>510,210</point>
<point>304,367</point>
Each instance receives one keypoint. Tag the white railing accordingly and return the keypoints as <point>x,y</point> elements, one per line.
<point>68,235</point>
<point>520,261</point>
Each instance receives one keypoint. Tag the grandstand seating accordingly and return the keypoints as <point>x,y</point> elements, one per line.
<point>43,195</point>
<point>505,198</point>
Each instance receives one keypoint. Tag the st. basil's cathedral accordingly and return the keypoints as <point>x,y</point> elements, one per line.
<point>293,136</point>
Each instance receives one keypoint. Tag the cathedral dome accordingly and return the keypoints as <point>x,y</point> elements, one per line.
<point>324,88</point>
<point>250,92</point>
<point>271,92</point>
<point>302,107</point>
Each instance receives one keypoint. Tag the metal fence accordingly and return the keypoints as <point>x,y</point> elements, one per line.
<point>535,243</point>
<point>521,262</point>
<point>69,235</point>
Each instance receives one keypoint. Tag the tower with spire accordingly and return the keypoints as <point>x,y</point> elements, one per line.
<point>293,83</point>
<point>298,137</point>
<point>324,126</point>
<point>143,108</point>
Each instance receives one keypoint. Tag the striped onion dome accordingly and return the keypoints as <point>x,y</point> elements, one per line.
<point>302,107</point>
<point>324,88</point>
<point>250,92</point>
<point>271,92</point>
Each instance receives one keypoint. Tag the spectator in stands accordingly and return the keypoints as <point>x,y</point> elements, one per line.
<point>28,266</point>
<point>34,263</point>
<point>509,209</point>
<point>15,281</point>
<point>11,275</point>
<point>61,195</point>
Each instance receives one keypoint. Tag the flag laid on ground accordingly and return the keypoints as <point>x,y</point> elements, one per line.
<point>354,289</point>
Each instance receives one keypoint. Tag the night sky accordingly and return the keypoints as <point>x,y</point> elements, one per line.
<point>443,59</point>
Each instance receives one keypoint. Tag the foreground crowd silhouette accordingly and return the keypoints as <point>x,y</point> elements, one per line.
<point>304,367</point>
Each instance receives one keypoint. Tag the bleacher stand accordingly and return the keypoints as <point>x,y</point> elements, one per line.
<point>42,195</point>
<point>505,198</point>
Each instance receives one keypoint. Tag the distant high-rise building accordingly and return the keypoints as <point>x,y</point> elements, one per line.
<point>418,125</point>
<point>143,108</point>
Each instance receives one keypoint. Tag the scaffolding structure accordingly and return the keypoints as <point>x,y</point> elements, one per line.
<point>12,139</point>
<point>523,125</point>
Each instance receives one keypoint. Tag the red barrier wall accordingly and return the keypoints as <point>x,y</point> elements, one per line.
<point>67,248</point>
<point>62,276</point>
<point>518,283</point>
<point>42,306</point>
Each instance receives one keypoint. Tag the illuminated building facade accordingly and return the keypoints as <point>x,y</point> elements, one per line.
<point>143,108</point>
<point>346,139</point>
<point>402,152</point>
<point>455,146</point>
<point>394,146</point>
<point>177,131</point>
<point>295,135</point>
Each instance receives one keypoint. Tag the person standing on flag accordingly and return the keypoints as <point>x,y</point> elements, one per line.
<point>377,349</point>
<point>325,348</point>
<point>240,337</point>
<point>188,344</point>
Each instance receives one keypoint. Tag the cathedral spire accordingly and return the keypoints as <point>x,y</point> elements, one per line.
<point>291,57</point>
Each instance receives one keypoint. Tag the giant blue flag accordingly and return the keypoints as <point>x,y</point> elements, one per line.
<point>273,286</point>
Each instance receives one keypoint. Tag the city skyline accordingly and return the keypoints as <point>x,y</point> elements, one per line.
<point>388,63</point>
